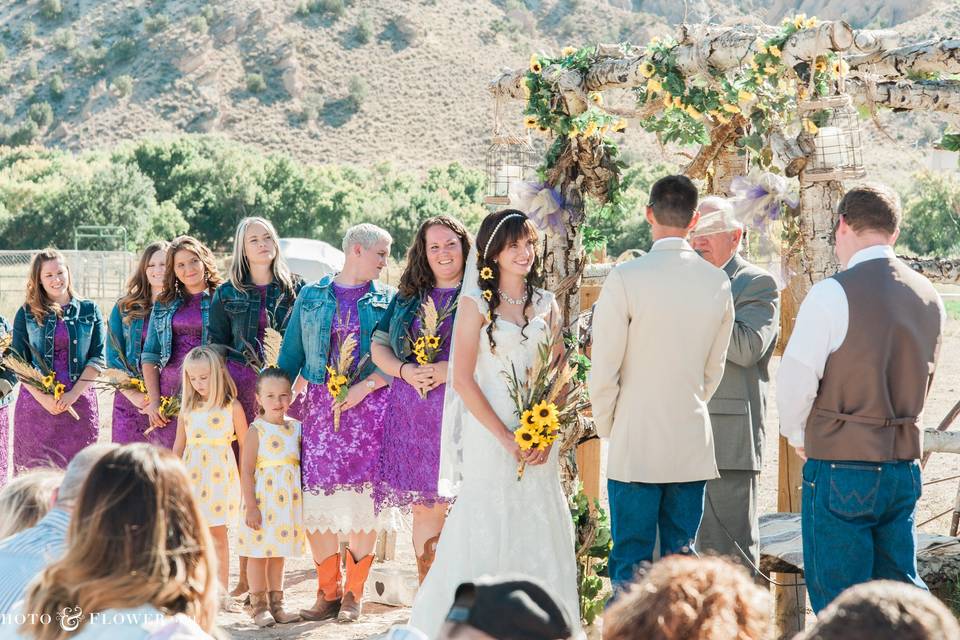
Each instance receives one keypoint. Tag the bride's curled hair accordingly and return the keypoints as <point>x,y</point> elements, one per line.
<point>497,232</point>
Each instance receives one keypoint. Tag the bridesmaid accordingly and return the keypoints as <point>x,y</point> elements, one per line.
<point>338,465</point>
<point>67,333</point>
<point>259,294</point>
<point>410,457</point>
<point>7,382</point>
<point>178,323</point>
<point>128,329</point>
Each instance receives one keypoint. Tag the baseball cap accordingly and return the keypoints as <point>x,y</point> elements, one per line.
<point>510,608</point>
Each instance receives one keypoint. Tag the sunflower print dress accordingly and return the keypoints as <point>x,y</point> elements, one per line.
<point>211,465</point>
<point>279,496</point>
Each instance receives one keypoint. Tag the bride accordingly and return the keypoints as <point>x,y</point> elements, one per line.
<point>498,525</point>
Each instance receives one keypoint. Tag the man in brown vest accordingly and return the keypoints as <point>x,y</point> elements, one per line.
<point>851,389</point>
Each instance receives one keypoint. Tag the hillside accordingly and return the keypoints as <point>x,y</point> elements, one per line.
<point>346,81</point>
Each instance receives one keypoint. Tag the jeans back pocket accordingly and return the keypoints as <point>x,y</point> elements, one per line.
<point>854,488</point>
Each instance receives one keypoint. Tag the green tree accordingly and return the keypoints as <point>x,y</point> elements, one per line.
<point>622,225</point>
<point>51,9</point>
<point>932,215</point>
<point>42,114</point>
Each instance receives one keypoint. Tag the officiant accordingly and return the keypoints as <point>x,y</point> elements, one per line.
<point>730,523</point>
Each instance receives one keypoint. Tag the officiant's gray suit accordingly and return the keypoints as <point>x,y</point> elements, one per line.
<point>736,414</point>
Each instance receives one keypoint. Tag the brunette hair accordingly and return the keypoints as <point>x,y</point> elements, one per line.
<point>417,276</point>
<point>138,299</point>
<point>223,389</point>
<point>38,301</point>
<point>240,267</point>
<point>871,207</point>
<point>690,598</point>
<point>136,538</point>
<point>497,231</point>
<point>172,287</point>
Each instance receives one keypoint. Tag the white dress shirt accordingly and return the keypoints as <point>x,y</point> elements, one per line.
<point>820,329</point>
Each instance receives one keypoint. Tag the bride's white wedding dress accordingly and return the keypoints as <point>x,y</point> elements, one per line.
<point>499,525</point>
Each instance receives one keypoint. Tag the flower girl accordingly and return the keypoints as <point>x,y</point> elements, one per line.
<point>272,528</point>
<point>211,419</point>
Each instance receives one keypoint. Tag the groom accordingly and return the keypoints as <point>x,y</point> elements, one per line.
<point>661,329</point>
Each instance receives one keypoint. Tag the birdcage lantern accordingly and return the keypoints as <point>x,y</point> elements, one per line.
<point>509,161</point>
<point>830,136</point>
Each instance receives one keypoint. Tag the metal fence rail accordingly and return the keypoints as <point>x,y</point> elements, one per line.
<point>97,275</point>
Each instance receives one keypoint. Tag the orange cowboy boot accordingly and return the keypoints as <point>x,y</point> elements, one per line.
<point>357,572</point>
<point>425,561</point>
<point>328,591</point>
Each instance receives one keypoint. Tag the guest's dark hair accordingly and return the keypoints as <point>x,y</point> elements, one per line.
<point>884,610</point>
<point>674,201</point>
<point>417,277</point>
<point>871,207</point>
<point>497,231</point>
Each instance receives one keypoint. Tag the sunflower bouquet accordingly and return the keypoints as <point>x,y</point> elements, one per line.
<point>427,345</point>
<point>169,408</point>
<point>341,375</point>
<point>546,398</point>
<point>127,378</point>
<point>44,381</point>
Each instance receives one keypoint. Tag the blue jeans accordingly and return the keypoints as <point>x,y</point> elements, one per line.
<point>858,525</point>
<point>638,510</point>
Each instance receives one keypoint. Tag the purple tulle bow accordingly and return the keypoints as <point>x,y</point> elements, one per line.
<point>543,204</point>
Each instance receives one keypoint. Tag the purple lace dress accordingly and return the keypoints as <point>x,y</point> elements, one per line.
<point>410,457</point>
<point>187,334</point>
<point>4,438</point>
<point>243,374</point>
<point>339,467</point>
<point>41,439</point>
<point>128,423</point>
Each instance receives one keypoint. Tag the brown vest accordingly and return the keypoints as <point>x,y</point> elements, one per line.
<point>874,386</point>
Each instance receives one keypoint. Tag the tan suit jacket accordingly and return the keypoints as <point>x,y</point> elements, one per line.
<point>660,334</point>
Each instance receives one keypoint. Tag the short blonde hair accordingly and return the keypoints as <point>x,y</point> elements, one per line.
<point>26,499</point>
<point>690,598</point>
<point>223,389</point>
<point>366,235</point>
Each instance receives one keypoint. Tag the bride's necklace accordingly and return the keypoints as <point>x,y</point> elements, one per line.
<point>514,301</point>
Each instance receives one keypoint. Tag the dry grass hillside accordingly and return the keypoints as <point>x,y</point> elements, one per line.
<point>350,81</point>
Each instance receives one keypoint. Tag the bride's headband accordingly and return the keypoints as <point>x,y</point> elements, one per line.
<point>497,228</point>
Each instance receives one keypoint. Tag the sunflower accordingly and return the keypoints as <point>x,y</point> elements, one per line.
<point>528,420</point>
<point>58,390</point>
<point>647,69</point>
<point>218,508</point>
<point>692,112</point>
<point>770,70</point>
<point>433,341</point>
<point>48,381</point>
<point>731,108</point>
<point>746,96</point>
<point>214,421</point>
<point>762,48</point>
<point>774,51</point>
<point>526,439</point>
<point>574,131</point>
<point>530,122</point>
<point>653,86</point>
<point>590,129</point>
<point>677,102</point>
<point>284,533</point>
<point>535,65</point>
<point>596,98</point>
<point>620,125</point>
<point>543,129</point>
<point>333,388</point>
<point>754,65</point>
<point>295,495</point>
<point>568,51</point>
<point>545,413</point>
<point>800,20</point>
<point>820,64</point>
<point>810,127</point>
<point>422,359</point>
<point>526,90</point>
<point>274,444</point>
<point>216,476</point>
<point>487,295</point>
<point>486,273</point>
<point>840,68</point>
<point>811,22</point>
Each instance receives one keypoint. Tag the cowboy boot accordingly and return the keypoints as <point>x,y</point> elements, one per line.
<point>425,561</point>
<point>328,591</point>
<point>259,610</point>
<point>275,599</point>
<point>357,571</point>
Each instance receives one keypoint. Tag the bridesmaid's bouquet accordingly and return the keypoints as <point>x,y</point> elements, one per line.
<point>169,408</point>
<point>341,375</point>
<point>270,350</point>
<point>546,398</point>
<point>43,381</point>
<point>427,345</point>
<point>129,378</point>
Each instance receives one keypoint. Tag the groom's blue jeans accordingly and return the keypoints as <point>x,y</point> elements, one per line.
<point>638,510</point>
<point>858,525</point>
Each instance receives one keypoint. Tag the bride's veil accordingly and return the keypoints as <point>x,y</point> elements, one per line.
<point>454,411</point>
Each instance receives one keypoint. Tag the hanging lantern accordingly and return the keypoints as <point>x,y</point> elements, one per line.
<point>509,161</point>
<point>830,136</point>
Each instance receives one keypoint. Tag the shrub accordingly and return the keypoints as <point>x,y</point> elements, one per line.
<point>123,50</point>
<point>23,135</point>
<point>90,60</point>
<point>31,72</point>
<point>3,52</point>
<point>357,92</point>
<point>931,224</point>
<point>41,113</point>
<point>51,9</point>
<point>65,39</point>
<point>334,8</point>
<point>363,32</point>
<point>123,85</point>
<point>28,34</point>
<point>256,83</point>
<point>57,86</point>
<point>198,24</point>
<point>157,23</point>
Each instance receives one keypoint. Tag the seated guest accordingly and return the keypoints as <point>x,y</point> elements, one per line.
<point>24,555</point>
<point>688,598</point>
<point>505,608</point>
<point>884,610</point>
<point>140,557</point>
<point>27,499</point>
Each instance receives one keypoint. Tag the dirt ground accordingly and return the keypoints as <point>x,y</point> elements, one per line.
<point>301,581</point>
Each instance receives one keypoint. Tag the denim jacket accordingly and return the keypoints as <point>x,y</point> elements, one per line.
<point>307,340</point>
<point>6,375</point>
<point>235,315</point>
<point>84,326</point>
<point>126,340</point>
<point>159,343</point>
<point>394,326</point>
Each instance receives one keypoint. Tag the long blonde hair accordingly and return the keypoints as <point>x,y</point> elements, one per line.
<point>136,538</point>
<point>223,389</point>
<point>26,499</point>
<point>240,267</point>
<point>138,300</point>
<point>38,301</point>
